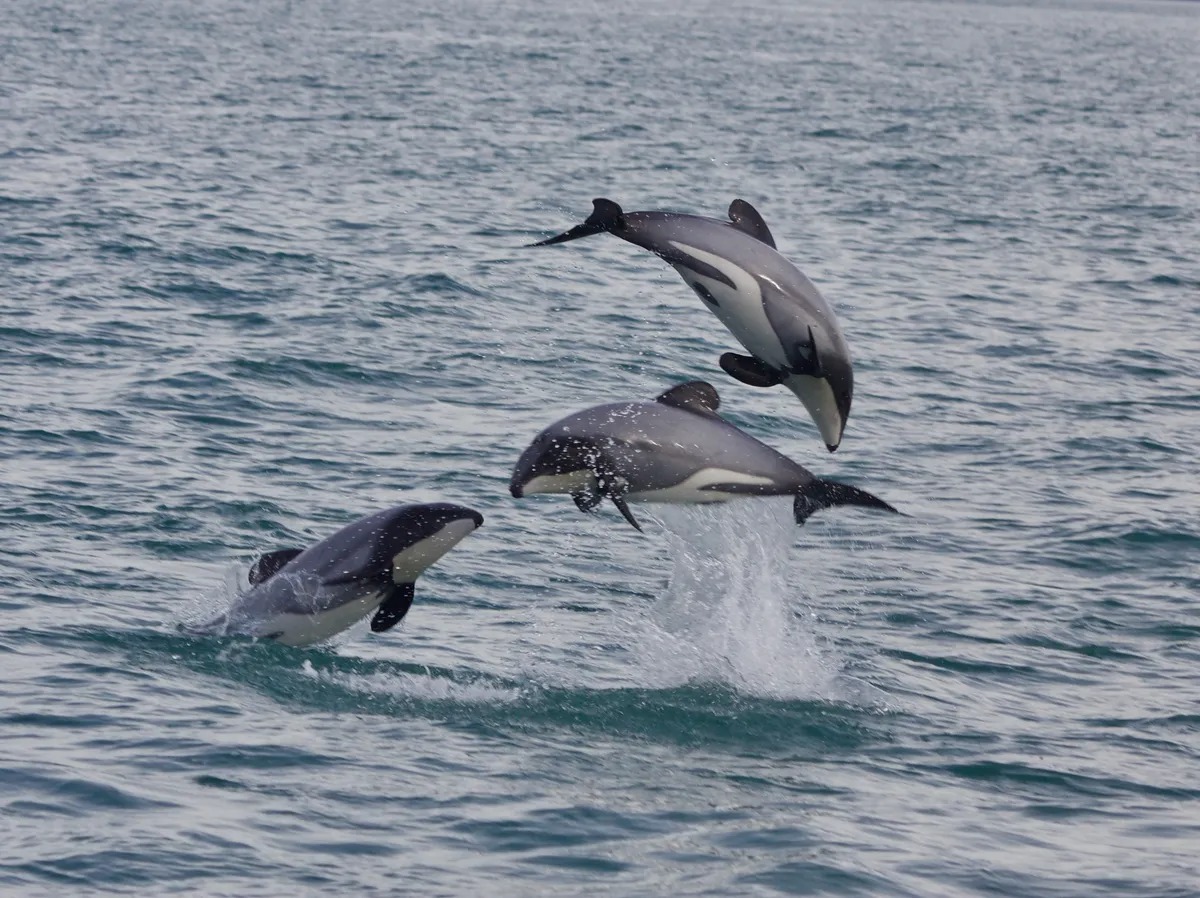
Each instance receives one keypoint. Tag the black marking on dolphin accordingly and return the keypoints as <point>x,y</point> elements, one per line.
<point>705,294</point>
<point>676,449</point>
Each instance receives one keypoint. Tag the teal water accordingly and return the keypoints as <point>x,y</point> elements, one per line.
<point>261,273</point>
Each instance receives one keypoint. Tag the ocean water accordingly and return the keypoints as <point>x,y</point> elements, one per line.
<point>262,272</point>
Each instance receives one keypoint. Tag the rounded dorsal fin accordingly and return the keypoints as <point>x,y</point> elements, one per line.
<point>746,218</point>
<point>269,565</point>
<point>697,396</point>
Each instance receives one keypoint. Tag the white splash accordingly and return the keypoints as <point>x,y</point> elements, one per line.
<point>214,601</point>
<point>731,613</point>
<point>424,688</point>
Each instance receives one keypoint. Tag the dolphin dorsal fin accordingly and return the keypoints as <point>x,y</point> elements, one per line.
<point>268,565</point>
<point>697,396</point>
<point>746,218</point>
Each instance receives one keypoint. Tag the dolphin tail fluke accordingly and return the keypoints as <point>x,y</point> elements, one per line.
<point>606,216</point>
<point>820,494</point>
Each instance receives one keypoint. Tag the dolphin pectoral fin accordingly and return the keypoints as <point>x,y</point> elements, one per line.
<point>746,218</point>
<point>819,494</point>
<point>610,484</point>
<point>587,500</point>
<point>749,370</point>
<point>694,396</point>
<point>393,608</point>
<point>623,507</point>
<point>268,565</point>
<point>606,216</point>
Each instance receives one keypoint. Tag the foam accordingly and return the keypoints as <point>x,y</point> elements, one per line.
<point>730,613</point>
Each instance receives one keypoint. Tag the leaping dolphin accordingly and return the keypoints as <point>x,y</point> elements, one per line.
<point>767,303</point>
<point>302,596</point>
<point>675,449</point>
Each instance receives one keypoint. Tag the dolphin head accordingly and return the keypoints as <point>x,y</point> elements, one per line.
<point>827,398</point>
<point>422,534</point>
<point>396,544</point>
<point>555,463</point>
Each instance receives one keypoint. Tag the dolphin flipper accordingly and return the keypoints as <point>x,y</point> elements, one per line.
<point>587,500</point>
<point>749,370</point>
<point>746,218</point>
<point>269,565</point>
<point>394,607</point>
<point>623,507</point>
<point>819,494</point>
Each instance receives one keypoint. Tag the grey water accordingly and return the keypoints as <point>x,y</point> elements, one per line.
<point>262,272</point>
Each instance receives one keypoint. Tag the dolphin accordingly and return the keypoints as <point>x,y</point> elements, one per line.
<point>675,449</point>
<point>301,596</point>
<point>767,303</point>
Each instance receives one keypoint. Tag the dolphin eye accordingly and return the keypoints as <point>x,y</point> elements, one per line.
<point>705,294</point>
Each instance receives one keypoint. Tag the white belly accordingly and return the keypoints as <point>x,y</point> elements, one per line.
<point>305,629</point>
<point>817,396</point>
<point>409,564</point>
<point>582,480</point>
<point>692,492</point>
<point>739,308</point>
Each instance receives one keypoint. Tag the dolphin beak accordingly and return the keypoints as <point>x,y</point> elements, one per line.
<point>478,519</point>
<point>517,489</point>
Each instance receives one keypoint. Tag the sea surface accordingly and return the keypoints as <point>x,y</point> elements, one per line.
<point>263,271</point>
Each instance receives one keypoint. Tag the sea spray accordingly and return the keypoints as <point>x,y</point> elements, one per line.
<point>731,613</point>
<point>209,603</point>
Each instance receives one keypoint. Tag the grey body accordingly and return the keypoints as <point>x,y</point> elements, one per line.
<point>676,449</point>
<point>767,303</point>
<point>303,596</point>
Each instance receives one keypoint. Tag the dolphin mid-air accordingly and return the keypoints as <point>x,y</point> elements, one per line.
<point>675,449</point>
<point>302,596</point>
<point>767,303</point>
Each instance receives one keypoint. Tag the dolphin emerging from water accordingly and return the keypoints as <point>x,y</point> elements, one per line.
<point>302,596</point>
<point>788,328</point>
<point>675,449</point>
